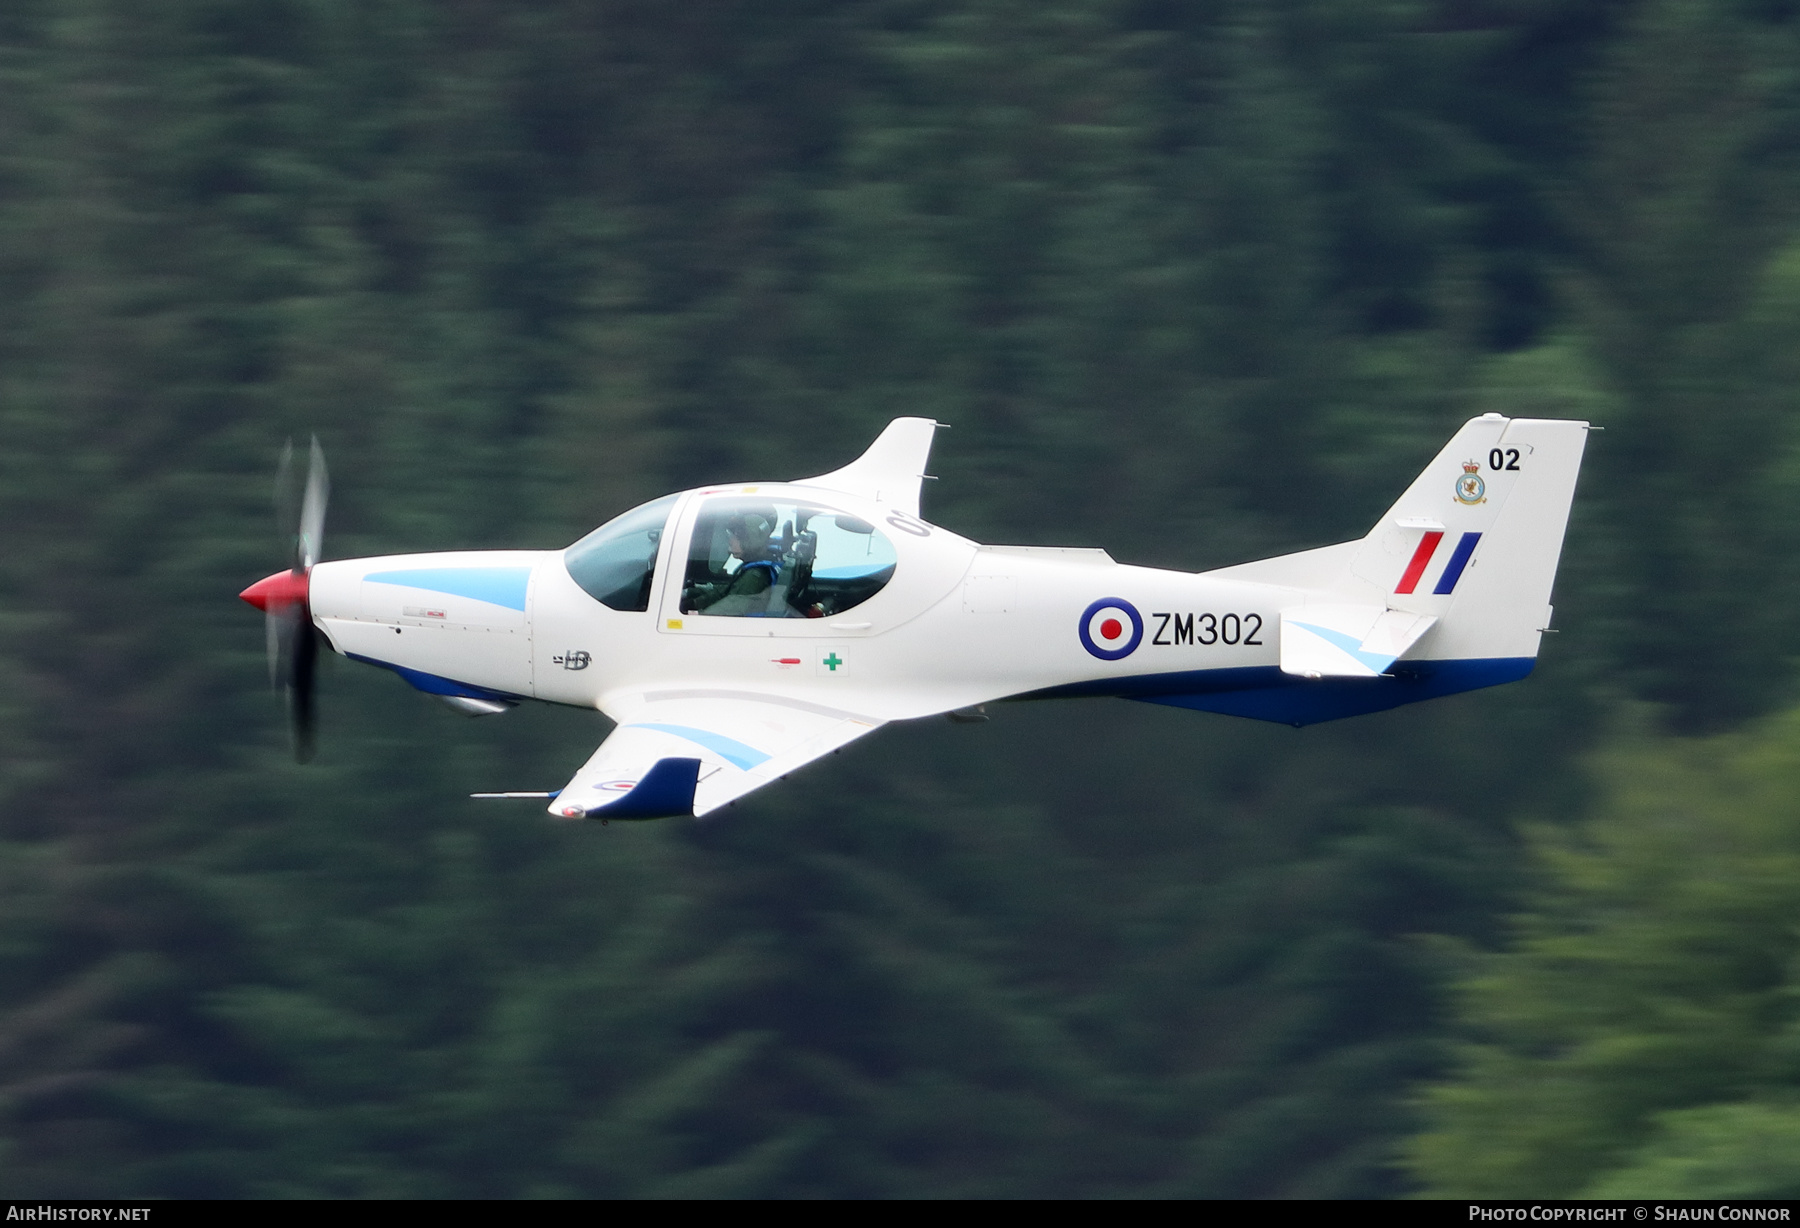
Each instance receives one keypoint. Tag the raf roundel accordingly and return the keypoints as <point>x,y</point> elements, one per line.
<point>1111,628</point>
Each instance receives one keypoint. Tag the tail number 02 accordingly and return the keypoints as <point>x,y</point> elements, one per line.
<point>1503,458</point>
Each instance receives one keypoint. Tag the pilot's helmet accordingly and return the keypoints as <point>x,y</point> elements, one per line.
<point>752,529</point>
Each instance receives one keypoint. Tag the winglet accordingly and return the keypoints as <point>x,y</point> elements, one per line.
<point>665,791</point>
<point>891,471</point>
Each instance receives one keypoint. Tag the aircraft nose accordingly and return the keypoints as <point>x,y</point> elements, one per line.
<point>284,588</point>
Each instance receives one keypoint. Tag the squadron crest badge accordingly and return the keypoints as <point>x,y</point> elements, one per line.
<point>1470,488</point>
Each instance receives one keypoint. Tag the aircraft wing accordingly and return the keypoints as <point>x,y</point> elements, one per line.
<point>690,752</point>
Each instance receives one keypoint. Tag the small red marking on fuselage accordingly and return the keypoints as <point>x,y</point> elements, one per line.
<point>1427,547</point>
<point>786,660</point>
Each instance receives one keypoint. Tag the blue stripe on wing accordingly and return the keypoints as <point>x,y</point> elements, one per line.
<point>729,749</point>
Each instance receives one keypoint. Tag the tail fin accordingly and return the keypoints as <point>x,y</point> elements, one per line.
<point>1468,554</point>
<point>1449,592</point>
<point>1475,540</point>
<point>891,470</point>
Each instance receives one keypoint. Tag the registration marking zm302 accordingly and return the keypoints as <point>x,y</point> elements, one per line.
<point>1207,628</point>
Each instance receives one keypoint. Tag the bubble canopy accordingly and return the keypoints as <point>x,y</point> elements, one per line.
<point>775,557</point>
<point>616,563</point>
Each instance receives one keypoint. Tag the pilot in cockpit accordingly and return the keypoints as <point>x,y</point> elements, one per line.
<point>745,590</point>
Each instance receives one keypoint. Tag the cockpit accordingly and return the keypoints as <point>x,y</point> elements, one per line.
<point>616,563</point>
<point>762,558</point>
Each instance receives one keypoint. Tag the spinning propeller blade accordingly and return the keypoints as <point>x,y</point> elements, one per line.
<point>288,633</point>
<point>287,504</point>
<point>312,511</point>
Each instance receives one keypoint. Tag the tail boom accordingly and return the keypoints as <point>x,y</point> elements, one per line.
<point>1449,592</point>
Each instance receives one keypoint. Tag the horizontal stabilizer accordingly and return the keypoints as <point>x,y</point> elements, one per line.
<point>1347,641</point>
<point>1395,632</point>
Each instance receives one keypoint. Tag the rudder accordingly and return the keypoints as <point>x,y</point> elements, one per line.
<point>1476,538</point>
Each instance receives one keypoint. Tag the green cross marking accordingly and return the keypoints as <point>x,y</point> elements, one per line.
<point>832,662</point>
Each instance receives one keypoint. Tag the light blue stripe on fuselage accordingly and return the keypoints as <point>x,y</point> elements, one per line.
<point>729,749</point>
<point>503,586</point>
<point>851,572</point>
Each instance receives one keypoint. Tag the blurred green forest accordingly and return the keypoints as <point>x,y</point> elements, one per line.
<point>1195,281</point>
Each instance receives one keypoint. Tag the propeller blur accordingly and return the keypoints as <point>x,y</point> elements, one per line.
<point>289,633</point>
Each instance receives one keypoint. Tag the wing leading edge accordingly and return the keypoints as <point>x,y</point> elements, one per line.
<point>682,752</point>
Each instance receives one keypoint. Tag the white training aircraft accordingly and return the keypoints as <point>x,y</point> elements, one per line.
<point>738,632</point>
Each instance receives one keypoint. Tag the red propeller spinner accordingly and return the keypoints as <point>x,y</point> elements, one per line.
<point>275,593</point>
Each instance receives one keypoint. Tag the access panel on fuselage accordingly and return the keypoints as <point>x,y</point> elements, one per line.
<point>1035,620</point>
<point>456,617</point>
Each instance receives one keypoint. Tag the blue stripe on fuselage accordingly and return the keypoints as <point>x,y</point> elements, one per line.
<point>504,586</point>
<point>435,684</point>
<point>1264,693</point>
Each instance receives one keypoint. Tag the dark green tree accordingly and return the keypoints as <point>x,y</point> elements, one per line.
<point>1636,1037</point>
